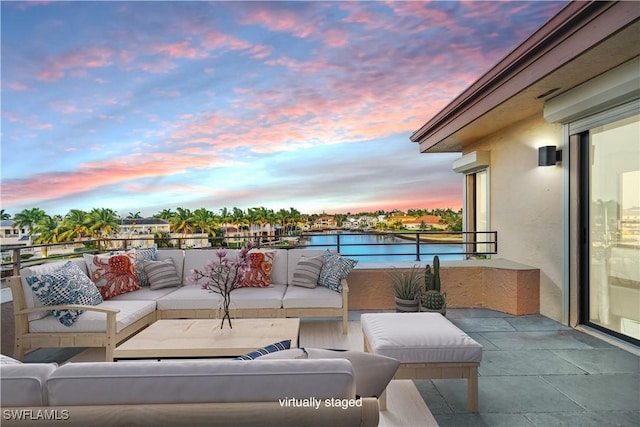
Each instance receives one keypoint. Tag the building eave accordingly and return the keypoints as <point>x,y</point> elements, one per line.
<point>583,40</point>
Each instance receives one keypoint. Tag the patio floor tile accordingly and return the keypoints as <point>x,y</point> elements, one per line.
<point>602,361</point>
<point>536,340</point>
<point>490,324</point>
<point>530,362</point>
<point>600,392</point>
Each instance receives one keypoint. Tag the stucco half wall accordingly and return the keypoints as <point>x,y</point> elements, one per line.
<point>497,284</point>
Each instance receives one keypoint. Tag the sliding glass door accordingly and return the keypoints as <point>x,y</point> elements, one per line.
<point>610,206</point>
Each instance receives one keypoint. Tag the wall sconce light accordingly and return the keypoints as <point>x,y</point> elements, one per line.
<point>549,156</point>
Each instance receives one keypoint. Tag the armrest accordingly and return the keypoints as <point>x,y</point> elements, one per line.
<point>106,310</point>
<point>345,286</point>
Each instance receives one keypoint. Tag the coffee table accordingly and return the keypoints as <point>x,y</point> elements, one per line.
<point>192,338</point>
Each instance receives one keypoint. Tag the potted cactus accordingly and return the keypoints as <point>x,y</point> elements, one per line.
<point>432,300</point>
<point>407,287</point>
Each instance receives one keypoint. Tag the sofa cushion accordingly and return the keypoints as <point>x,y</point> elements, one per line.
<point>161,274</point>
<point>30,298</point>
<point>25,384</point>
<point>91,321</point>
<point>148,254</point>
<point>143,294</point>
<point>199,381</point>
<point>6,360</point>
<point>260,266</point>
<point>334,268</point>
<point>307,272</point>
<point>113,274</point>
<point>189,298</point>
<point>273,348</point>
<point>247,297</point>
<point>373,372</point>
<point>319,297</point>
<point>66,285</point>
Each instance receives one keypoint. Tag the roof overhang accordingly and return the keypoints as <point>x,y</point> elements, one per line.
<point>582,41</point>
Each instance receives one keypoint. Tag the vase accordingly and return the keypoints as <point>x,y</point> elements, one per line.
<point>224,313</point>
<point>406,305</point>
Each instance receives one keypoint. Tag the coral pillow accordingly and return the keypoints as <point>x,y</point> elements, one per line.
<point>113,274</point>
<point>260,266</point>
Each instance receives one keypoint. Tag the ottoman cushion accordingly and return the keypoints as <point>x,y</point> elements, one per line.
<point>419,338</point>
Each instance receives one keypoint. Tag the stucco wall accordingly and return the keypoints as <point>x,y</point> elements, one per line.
<point>526,203</point>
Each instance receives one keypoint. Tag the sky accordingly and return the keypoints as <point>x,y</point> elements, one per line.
<point>145,106</point>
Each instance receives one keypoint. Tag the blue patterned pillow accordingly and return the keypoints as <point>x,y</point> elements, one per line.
<point>282,345</point>
<point>334,269</point>
<point>66,285</point>
<point>150,254</point>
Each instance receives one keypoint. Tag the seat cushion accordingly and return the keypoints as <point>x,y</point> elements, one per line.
<point>91,321</point>
<point>189,297</point>
<point>419,338</point>
<point>144,294</point>
<point>319,297</point>
<point>249,297</point>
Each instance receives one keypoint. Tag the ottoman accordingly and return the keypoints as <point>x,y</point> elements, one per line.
<point>427,345</point>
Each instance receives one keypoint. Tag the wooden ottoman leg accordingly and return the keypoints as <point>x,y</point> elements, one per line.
<point>382,400</point>
<point>472,389</point>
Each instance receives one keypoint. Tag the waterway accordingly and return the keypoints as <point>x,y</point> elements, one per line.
<point>382,247</point>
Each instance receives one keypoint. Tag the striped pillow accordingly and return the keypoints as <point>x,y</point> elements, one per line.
<point>161,274</point>
<point>307,272</point>
<point>279,346</point>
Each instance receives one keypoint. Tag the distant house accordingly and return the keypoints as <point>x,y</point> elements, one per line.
<point>550,149</point>
<point>144,226</point>
<point>11,234</point>
<point>325,222</point>
<point>424,222</point>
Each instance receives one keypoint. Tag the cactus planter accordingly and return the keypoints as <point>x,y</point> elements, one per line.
<point>407,288</point>
<point>432,300</point>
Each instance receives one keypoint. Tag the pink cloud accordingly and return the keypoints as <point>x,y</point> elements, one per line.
<point>75,60</point>
<point>93,175</point>
<point>181,49</point>
<point>18,86</point>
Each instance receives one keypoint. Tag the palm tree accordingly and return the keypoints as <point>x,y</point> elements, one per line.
<point>134,215</point>
<point>103,222</point>
<point>165,214</point>
<point>4,215</point>
<point>182,221</point>
<point>48,231</point>
<point>204,220</point>
<point>28,218</point>
<point>75,225</point>
<point>225,216</point>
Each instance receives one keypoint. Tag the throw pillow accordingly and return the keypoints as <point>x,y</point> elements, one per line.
<point>279,346</point>
<point>259,274</point>
<point>334,268</point>
<point>161,274</point>
<point>372,371</point>
<point>113,274</point>
<point>307,272</point>
<point>67,285</point>
<point>150,254</point>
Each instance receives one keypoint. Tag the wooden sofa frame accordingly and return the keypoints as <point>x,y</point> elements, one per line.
<point>26,340</point>
<point>267,414</point>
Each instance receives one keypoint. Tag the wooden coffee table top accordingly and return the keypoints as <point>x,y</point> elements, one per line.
<point>169,338</point>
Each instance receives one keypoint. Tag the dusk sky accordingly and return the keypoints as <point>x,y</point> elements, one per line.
<point>142,106</point>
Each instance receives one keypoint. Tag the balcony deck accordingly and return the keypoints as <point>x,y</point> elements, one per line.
<point>534,372</point>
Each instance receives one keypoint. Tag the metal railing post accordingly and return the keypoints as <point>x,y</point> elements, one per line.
<point>338,243</point>
<point>417,246</point>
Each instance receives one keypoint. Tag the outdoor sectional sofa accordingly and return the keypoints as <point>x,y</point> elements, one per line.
<point>115,319</point>
<point>185,393</point>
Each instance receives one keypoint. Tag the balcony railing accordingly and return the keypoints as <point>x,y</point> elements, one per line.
<point>416,244</point>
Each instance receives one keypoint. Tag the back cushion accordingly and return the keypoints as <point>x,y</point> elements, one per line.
<point>30,298</point>
<point>199,381</point>
<point>24,384</point>
<point>294,257</point>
